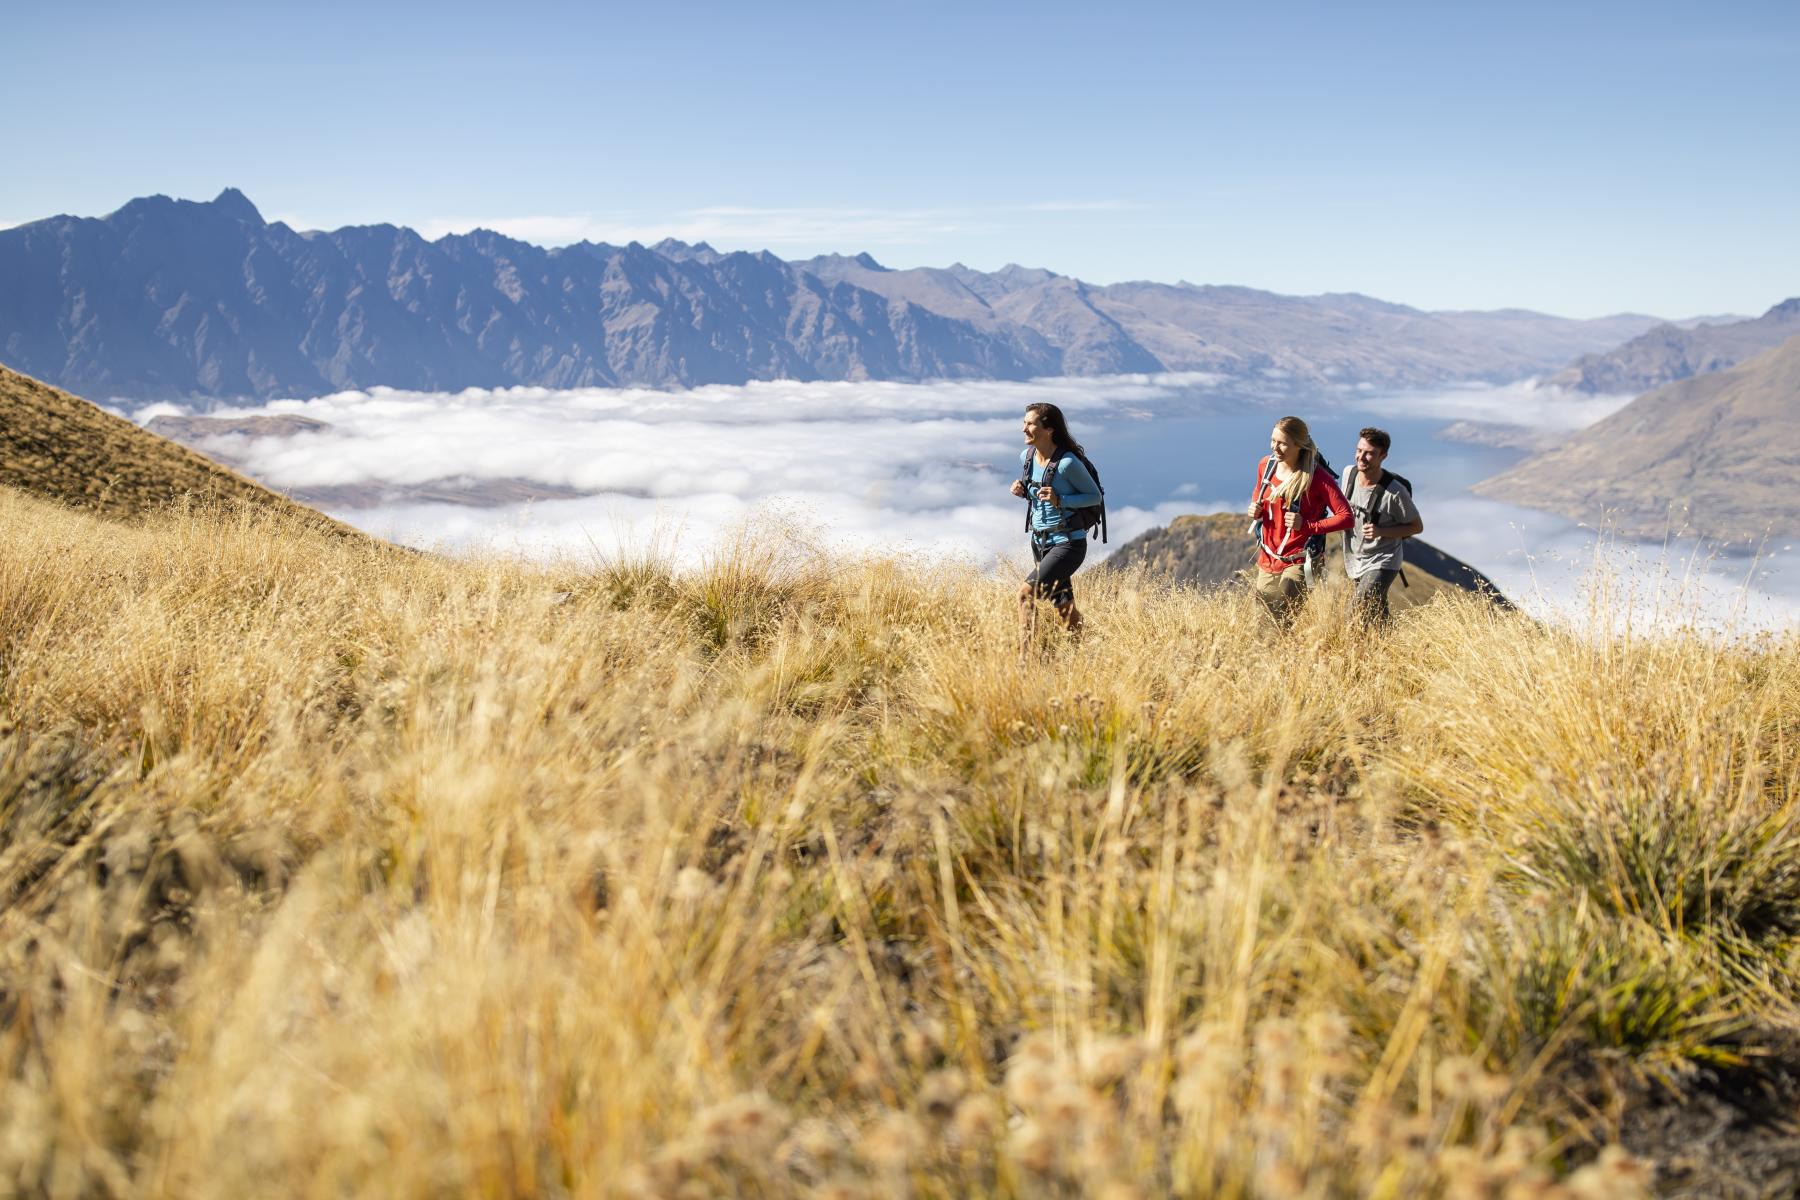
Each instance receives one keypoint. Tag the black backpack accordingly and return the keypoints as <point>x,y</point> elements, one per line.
<point>1084,518</point>
<point>1385,483</point>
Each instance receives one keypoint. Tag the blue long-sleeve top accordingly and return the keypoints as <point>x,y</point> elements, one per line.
<point>1074,487</point>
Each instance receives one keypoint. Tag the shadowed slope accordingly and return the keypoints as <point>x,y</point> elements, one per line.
<point>63,448</point>
<point>1211,550</point>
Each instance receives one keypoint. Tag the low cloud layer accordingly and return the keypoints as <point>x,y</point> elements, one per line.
<point>894,469</point>
<point>1526,405</point>
<point>882,467</point>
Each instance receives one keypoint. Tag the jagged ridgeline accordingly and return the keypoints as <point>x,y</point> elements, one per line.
<point>60,447</point>
<point>173,299</point>
<point>1671,353</point>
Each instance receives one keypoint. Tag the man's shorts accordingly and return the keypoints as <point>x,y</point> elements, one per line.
<point>1056,565</point>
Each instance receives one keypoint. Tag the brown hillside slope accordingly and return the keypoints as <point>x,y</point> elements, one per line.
<point>62,447</point>
<point>1212,550</point>
<point>1670,353</point>
<point>1713,455</point>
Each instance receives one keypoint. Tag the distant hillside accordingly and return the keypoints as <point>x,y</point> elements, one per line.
<point>1670,353</point>
<point>1212,550</point>
<point>63,448</point>
<point>1714,455</point>
<point>172,299</point>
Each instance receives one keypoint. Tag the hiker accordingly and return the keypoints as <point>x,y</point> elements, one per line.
<point>1374,549</point>
<point>1066,501</point>
<point>1295,504</point>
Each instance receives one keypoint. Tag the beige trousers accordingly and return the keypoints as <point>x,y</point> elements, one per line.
<point>1282,594</point>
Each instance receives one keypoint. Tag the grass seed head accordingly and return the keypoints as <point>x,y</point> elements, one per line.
<point>749,1124</point>
<point>1614,1175</point>
<point>1108,1060</point>
<point>977,1121</point>
<point>1029,1081</point>
<point>891,1142</point>
<point>940,1092</point>
<point>1209,1050</point>
<point>1034,1148</point>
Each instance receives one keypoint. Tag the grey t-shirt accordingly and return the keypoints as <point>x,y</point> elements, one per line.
<point>1394,507</point>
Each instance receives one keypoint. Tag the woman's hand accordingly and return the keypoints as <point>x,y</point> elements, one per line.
<point>1048,495</point>
<point>1018,488</point>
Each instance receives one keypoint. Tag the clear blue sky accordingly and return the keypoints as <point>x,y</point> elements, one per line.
<point>1575,158</point>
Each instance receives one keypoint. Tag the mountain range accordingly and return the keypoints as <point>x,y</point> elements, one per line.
<point>206,301</point>
<point>1669,353</point>
<point>1712,455</point>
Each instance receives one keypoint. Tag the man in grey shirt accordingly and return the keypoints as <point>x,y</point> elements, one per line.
<point>1385,517</point>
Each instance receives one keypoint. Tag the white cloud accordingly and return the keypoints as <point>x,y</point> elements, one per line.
<point>1528,404</point>
<point>160,409</point>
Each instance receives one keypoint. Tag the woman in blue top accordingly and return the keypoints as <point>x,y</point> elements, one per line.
<point>1060,481</point>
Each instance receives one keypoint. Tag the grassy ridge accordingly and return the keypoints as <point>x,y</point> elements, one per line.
<point>386,875</point>
<point>56,445</point>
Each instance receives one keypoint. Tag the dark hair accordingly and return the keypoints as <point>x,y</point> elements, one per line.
<point>1377,438</point>
<point>1052,416</point>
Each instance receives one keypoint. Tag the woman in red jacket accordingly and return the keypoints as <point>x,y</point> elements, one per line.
<point>1293,501</point>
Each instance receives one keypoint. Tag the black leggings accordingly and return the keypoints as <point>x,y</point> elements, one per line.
<point>1055,567</point>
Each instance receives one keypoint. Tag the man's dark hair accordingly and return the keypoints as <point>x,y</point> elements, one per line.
<point>1377,438</point>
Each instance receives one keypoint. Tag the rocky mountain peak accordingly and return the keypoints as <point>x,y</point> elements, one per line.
<point>234,203</point>
<point>680,251</point>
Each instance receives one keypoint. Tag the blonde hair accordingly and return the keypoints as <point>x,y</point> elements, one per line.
<point>1296,432</point>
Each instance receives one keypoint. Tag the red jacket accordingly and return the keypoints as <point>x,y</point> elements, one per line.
<point>1323,509</point>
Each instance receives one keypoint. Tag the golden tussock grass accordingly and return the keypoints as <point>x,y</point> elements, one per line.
<point>333,871</point>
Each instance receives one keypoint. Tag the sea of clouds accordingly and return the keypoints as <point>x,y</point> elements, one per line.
<point>917,470</point>
<point>862,467</point>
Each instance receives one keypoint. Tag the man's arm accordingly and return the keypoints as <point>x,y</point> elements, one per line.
<point>1411,526</point>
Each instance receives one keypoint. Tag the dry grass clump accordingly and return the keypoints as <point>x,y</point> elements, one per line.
<point>385,875</point>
